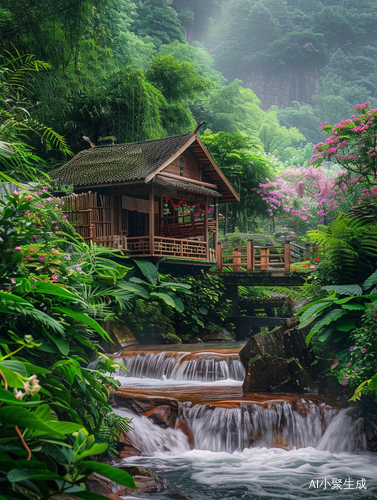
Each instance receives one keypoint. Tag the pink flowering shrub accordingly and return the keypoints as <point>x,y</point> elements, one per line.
<point>352,145</point>
<point>304,195</point>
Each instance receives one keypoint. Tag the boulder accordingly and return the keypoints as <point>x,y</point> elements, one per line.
<point>166,415</point>
<point>278,360</point>
<point>162,416</point>
<point>146,481</point>
<point>120,333</point>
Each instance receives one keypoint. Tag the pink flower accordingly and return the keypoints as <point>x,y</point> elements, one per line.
<point>28,197</point>
<point>35,237</point>
<point>81,260</point>
<point>344,382</point>
<point>64,217</point>
<point>312,266</point>
<point>56,228</point>
<point>54,277</point>
<point>352,348</point>
<point>348,364</point>
<point>16,193</point>
<point>18,249</point>
<point>363,350</point>
<point>28,256</point>
<point>19,395</point>
<point>42,258</point>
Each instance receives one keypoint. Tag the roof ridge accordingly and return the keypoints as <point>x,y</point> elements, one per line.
<point>140,142</point>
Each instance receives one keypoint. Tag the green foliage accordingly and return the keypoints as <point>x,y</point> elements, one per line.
<point>204,305</point>
<point>348,247</point>
<point>236,156</point>
<point>338,314</point>
<point>16,123</point>
<point>54,413</point>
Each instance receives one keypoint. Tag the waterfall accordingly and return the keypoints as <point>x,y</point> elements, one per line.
<point>183,366</point>
<point>228,430</point>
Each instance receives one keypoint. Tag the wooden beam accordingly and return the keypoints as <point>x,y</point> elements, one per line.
<point>219,256</point>
<point>205,227</point>
<point>112,204</point>
<point>187,179</point>
<point>151,220</point>
<point>250,255</point>
<point>287,256</point>
<point>216,217</point>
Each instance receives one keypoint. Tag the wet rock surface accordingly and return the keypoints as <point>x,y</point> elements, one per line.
<point>278,360</point>
<point>145,479</point>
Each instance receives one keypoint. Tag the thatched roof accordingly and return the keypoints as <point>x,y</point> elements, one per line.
<point>118,163</point>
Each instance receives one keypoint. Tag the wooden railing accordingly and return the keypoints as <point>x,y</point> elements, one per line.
<point>254,258</point>
<point>138,245</point>
<point>189,249</point>
<point>170,247</point>
<point>117,241</point>
<point>187,229</point>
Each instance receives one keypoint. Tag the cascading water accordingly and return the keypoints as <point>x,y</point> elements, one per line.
<point>228,445</point>
<point>183,366</point>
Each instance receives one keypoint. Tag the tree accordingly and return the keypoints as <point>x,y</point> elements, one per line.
<point>352,145</point>
<point>16,122</point>
<point>306,196</point>
<point>236,156</point>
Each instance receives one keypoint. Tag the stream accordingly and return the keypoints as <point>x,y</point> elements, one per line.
<point>231,445</point>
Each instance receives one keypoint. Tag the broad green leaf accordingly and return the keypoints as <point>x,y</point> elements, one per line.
<point>203,310</point>
<point>326,334</point>
<point>331,316</point>
<point>96,449</point>
<point>83,318</point>
<point>134,288</point>
<point>347,326</point>
<point>117,475</point>
<point>16,366</point>
<point>320,301</point>
<point>62,345</point>
<point>369,282</point>
<point>148,270</point>
<point>354,307</point>
<point>345,289</point>
<point>29,420</point>
<point>9,398</point>
<point>165,297</point>
<point>57,290</point>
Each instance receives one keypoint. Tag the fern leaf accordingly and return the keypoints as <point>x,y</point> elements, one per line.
<point>349,290</point>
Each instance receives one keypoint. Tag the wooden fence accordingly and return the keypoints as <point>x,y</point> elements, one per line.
<point>254,258</point>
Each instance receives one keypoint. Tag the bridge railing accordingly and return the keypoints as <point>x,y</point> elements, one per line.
<point>254,258</point>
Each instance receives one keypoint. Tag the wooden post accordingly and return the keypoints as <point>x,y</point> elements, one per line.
<point>181,248</point>
<point>216,218</point>
<point>287,256</point>
<point>151,220</point>
<point>263,259</point>
<point>112,211</point>
<point>250,256</point>
<point>236,260</point>
<point>205,226</point>
<point>219,256</point>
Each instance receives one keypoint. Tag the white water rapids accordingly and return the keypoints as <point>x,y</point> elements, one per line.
<point>249,452</point>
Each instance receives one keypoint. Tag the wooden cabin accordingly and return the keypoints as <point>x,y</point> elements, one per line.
<point>153,199</point>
